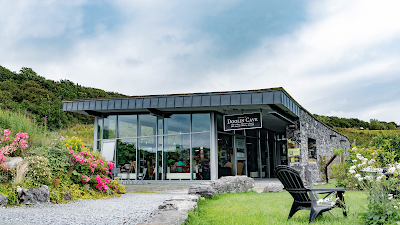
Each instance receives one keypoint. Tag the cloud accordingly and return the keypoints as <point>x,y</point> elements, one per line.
<point>331,56</point>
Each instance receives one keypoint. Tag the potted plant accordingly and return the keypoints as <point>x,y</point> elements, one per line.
<point>291,143</point>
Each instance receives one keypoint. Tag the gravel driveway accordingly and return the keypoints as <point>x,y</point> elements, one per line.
<point>130,208</point>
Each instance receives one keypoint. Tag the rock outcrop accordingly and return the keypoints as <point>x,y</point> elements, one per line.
<point>273,187</point>
<point>33,195</point>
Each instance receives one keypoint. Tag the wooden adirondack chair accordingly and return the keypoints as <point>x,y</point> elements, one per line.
<point>307,197</point>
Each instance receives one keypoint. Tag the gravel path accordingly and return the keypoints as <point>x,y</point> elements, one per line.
<point>130,208</point>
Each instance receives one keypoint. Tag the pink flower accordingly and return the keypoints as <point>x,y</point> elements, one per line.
<point>6,132</point>
<point>70,147</point>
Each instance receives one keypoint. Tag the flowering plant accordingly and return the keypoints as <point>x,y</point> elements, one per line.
<point>89,168</point>
<point>367,175</point>
<point>9,146</point>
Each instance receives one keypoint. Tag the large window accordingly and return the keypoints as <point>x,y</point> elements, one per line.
<point>176,147</point>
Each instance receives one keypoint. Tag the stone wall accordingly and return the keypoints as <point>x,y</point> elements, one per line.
<point>323,140</point>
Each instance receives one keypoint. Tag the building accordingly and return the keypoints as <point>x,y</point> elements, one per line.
<point>208,135</point>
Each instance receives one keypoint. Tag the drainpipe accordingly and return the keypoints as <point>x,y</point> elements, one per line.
<point>326,167</point>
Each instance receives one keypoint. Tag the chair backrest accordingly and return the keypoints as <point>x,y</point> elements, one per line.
<point>144,173</point>
<point>291,180</point>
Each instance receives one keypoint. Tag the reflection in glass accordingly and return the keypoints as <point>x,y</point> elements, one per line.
<point>201,122</point>
<point>126,158</point>
<point>252,157</point>
<point>159,157</point>
<point>147,156</point>
<point>177,157</point>
<point>226,161</point>
<point>99,128</point>
<point>160,126</point>
<point>110,124</point>
<point>127,126</point>
<point>147,125</point>
<point>177,124</point>
<point>201,156</point>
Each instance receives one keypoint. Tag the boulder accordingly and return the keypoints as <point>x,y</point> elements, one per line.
<point>273,187</point>
<point>219,186</point>
<point>67,197</point>
<point>238,183</point>
<point>173,210</point>
<point>12,161</point>
<point>33,195</point>
<point>3,200</point>
<point>204,190</point>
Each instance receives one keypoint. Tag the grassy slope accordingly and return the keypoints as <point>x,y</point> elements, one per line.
<point>362,137</point>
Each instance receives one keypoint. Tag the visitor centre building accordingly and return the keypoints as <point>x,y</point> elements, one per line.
<point>204,136</point>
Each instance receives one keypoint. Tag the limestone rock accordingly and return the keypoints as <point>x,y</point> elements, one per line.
<point>67,197</point>
<point>238,183</point>
<point>273,187</point>
<point>173,210</point>
<point>12,161</point>
<point>219,186</point>
<point>3,200</point>
<point>204,190</point>
<point>33,195</point>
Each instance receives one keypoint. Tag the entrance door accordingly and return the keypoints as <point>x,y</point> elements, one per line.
<point>241,155</point>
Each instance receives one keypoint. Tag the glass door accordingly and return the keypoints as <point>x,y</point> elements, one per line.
<point>241,155</point>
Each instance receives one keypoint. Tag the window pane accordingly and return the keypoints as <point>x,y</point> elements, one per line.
<point>160,126</point>
<point>126,158</point>
<point>108,150</point>
<point>147,125</point>
<point>99,128</point>
<point>177,124</point>
<point>177,157</point>
<point>127,126</point>
<point>159,157</point>
<point>109,127</point>
<point>201,156</point>
<point>147,156</point>
<point>201,122</point>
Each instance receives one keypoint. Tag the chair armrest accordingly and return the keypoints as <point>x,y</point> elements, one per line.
<point>327,189</point>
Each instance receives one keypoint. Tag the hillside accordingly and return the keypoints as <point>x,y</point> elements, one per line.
<point>363,137</point>
<point>25,91</point>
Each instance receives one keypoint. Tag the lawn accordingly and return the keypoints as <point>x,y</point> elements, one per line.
<point>270,208</point>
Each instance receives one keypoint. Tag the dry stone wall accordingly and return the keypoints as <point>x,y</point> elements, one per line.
<point>314,135</point>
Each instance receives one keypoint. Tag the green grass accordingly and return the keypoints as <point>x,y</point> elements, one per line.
<point>270,208</point>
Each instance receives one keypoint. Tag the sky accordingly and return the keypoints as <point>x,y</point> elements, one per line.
<point>335,58</point>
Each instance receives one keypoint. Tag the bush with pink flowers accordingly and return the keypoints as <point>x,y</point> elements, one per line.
<point>88,167</point>
<point>9,145</point>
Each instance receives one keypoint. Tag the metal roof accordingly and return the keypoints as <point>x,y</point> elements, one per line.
<point>276,96</point>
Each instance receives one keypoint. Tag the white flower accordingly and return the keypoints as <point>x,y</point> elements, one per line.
<point>371,161</point>
<point>357,175</point>
<point>360,179</point>
<point>378,179</point>
<point>354,160</point>
<point>358,155</point>
<point>354,148</point>
<point>368,178</point>
<point>395,207</point>
<point>374,153</point>
<point>353,167</point>
<point>352,171</point>
<point>390,196</point>
<point>365,160</point>
<point>392,169</point>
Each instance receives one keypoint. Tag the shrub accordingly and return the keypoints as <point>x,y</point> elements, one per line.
<point>38,172</point>
<point>389,142</point>
<point>382,208</point>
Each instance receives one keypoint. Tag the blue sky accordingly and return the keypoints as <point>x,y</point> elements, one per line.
<point>336,58</point>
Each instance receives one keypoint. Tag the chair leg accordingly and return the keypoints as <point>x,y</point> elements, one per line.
<point>294,209</point>
<point>314,214</point>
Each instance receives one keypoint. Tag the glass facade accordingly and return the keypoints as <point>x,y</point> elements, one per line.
<point>176,147</point>
<point>179,147</point>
